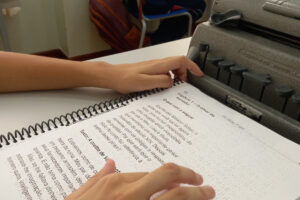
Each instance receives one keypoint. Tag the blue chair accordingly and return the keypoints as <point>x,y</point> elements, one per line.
<point>177,13</point>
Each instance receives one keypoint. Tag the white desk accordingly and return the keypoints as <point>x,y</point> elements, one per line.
<point>18,110</point>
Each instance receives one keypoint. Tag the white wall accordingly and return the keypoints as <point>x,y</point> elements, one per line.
<point>81,33</point>
<point>61,26</point>
<point>34,28</point>
<point>44,25</point>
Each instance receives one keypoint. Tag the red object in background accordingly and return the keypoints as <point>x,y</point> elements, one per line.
<point>177,8</point>
<point>112,21</point>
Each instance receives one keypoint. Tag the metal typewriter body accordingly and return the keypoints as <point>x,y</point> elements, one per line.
<point>279,15</point>
<point>257,76</point>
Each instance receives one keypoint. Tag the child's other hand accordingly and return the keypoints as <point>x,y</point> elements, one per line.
<point>141,186</point>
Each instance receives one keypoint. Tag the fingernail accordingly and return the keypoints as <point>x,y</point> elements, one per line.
<point>200,73</point>
<point>199,179</point>
<point>109,162</point>
<point>109,166</point>
<point>209,191</point>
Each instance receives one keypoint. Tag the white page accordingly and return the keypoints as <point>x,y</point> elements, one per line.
<point>180,125</point>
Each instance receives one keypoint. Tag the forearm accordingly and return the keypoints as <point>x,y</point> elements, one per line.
<point>19,72</point>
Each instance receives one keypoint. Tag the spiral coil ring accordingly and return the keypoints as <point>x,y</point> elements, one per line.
<point>74,117</point>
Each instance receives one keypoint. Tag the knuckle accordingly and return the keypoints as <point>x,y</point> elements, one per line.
<point>182,59</point>
<point>171,167</point>
<point>111,179</point>
<point>180,193</point>
<point>105,179</point>
<point>172,170</point>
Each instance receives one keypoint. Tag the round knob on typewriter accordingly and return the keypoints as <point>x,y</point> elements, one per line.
<point>225,64</point>
<point>237,69</point>
<point>284,91</point>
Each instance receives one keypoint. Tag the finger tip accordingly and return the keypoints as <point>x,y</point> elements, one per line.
<point>199,179</point>
<point>210,191</point>
<point>110,162</point>
<point>200,73</point>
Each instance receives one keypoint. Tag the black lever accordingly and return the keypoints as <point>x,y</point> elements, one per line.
<point>198,54</point>
<point>227,19</point>
<point>255,84</point>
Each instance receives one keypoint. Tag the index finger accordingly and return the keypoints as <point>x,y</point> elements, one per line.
<point>109,168</point>
<point>180,63</point>
<point>166,176</point>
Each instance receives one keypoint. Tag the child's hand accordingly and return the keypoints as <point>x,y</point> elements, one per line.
<point>20,72</point>
<point>126,78</point>
<point>141,186</point>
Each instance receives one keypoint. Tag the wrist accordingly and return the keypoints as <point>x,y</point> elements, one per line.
<point>99,74</point>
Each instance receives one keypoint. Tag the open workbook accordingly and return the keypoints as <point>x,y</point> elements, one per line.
<point>180,125</point>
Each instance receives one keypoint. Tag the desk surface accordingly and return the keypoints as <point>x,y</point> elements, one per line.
<point>18,110</point>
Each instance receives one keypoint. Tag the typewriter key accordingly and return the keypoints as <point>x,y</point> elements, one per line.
<point>236,78</point>
<point>211,67</point>
<point>224,72</point>
<point>277,97</point>
<point>293,107</point>
<point>255,84</point>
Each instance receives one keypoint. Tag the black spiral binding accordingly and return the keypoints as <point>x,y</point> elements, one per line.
<point>74,117</point>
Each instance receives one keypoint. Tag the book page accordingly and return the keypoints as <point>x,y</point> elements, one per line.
<point>180,125</point>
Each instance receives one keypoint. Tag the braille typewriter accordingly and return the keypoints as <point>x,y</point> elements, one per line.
<point>250,53</point>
